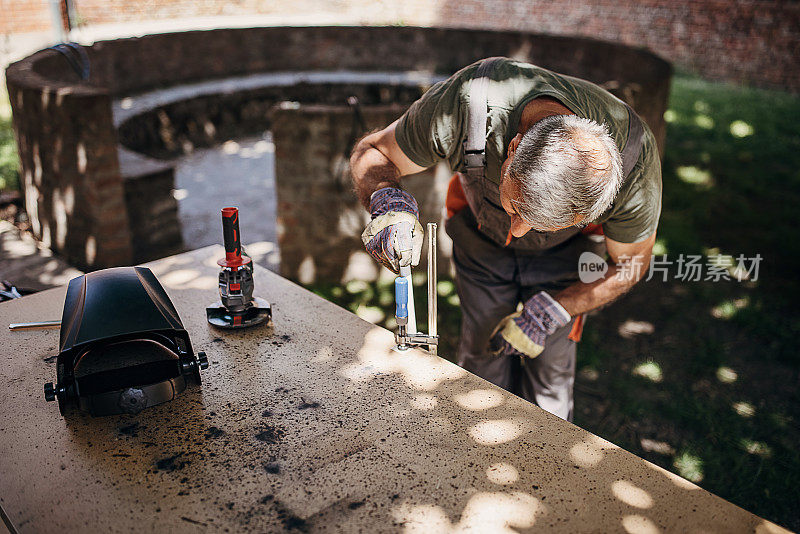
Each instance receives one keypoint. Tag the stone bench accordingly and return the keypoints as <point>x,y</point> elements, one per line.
<point>152,208</point>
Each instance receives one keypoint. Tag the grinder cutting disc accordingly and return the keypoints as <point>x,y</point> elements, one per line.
<point>220,316</point>
<point>237,308</point>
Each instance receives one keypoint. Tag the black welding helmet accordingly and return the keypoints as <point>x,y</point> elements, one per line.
<point>123,347</point>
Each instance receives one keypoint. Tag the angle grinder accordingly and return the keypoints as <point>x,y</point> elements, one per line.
<point>237,308</point>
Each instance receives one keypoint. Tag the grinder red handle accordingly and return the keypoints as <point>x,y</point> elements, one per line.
<point>231,238</point>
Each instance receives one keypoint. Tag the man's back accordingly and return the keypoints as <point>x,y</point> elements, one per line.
<point>435,128</point>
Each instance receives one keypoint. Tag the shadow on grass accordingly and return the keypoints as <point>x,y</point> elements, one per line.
<point>698,377</point>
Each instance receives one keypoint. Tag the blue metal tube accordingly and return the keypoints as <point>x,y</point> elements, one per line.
<point>401,299</point>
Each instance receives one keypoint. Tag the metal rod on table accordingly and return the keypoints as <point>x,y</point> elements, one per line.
<point>30,326</point>
<point>432,307</point>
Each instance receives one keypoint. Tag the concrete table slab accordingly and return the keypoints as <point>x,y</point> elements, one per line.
<point>316,425</point>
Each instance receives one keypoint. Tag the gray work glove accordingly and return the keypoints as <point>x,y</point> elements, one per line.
<point>524,332</point>
<point>394,236</point>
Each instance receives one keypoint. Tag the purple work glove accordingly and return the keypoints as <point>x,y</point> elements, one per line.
<point>394,236</point>
<point>524,332</point>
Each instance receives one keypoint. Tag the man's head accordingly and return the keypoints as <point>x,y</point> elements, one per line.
<point>565,170</point>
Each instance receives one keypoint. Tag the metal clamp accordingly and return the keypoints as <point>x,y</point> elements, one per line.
<point>406,336</point>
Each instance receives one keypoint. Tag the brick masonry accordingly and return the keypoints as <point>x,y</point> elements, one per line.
<point>84,204</point>
<point>750,41</point>
<point>319,218</point>
<point>69,168</point>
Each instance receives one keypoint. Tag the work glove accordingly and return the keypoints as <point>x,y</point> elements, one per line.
<point>525,331</point>
<point>394,236</point>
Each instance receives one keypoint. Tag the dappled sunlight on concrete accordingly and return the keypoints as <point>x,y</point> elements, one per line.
<point>495,431</point>
<point>371,314</point>
<point>485,512</point>
<point>189,279</point>
<point>628,493</point>
<point>423,519</point>
<point>498,512</point>
<point>325,354</point>
<point>424,401</point>
<point>680,481</point>
<point>637,524</point>
<point>590,452</point>
<point>179,272</point>
<point>770,528</point>
<point>480,399</point>
<point>502,473</point>
<point>27,264</point>
<point>420,370</point>
<point>366,435</point>
<point>168,264</point>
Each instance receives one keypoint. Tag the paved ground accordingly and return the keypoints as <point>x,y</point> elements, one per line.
<point>240,172</point>
<point>237,173</point>
<point>27,264</point>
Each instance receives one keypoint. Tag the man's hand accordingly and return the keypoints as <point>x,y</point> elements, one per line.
<point>394,237</point>
<point>524,332</point>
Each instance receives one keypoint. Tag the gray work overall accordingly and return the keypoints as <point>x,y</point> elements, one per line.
<point>492,278</point>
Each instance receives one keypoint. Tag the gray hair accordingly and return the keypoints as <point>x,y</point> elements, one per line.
<point>566,167</point>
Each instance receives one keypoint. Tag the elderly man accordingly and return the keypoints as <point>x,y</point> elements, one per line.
<point>549,167</point>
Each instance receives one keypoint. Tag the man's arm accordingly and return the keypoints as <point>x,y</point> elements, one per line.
<point>580,298</point>
<point>377,161</point>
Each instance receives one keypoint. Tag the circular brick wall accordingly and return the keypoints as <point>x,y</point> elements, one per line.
<point>68,143</point>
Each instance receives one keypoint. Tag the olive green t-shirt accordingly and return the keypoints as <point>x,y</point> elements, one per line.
<point>435,127</point>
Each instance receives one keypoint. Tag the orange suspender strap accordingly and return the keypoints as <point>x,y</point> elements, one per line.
<point>456,200</point>
<point>593,229</point>
<point>577,328</point>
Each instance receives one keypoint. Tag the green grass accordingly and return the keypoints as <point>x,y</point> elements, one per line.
<point>726,403</point>
<point>711,393</point>
<point>746,143</point>
<point>9,161</point>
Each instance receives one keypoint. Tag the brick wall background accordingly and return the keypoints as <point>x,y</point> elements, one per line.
<point>751,41</point>
<point>84,200</point>
<point>23,16</point>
